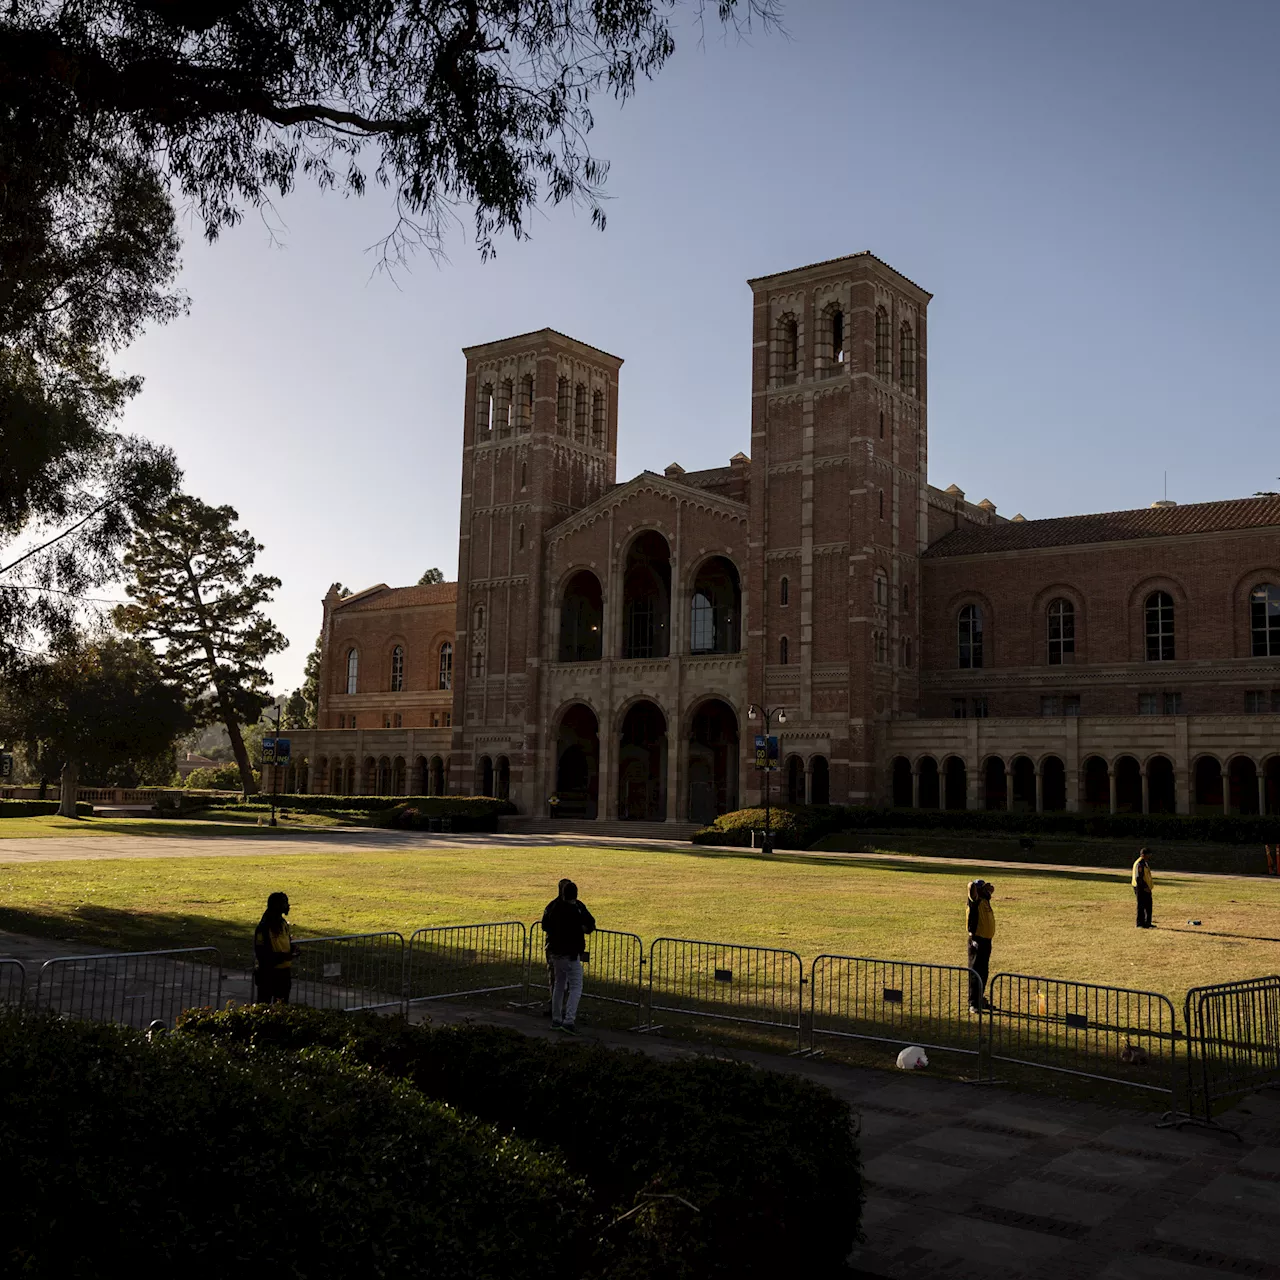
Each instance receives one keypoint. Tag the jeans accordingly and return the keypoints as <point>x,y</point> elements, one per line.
<point>566,988</point>
<point>1144,907</point>
<point>979,960</point>
<point>273,985</point>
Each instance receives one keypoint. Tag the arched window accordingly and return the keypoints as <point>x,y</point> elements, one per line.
<point>520,539</point>
<point>1264,620</point>
<point>784,591</point>
<point>881,587</point>
<point>881,424</point>
<point>907,357</point>
<point>446,666</point>
<point>504,407</point>
<point>597,419</point>
<point>353,669</point>
<point>784,651</point>
<point>580,412</point>
<point>524,418</point>
<point>477,663</point>
<point>485,411</point>
<point>1062,632</point>
<point>703,625</point>
<point>562,406</point>
<point>881,642</point>
<point>906,598</point>
<point>397,669</point>
<point>884,345</point>
<point>969,635</point>
<point>524,475</point>
<point>1159,626</point>
<point>716,606</point>
<point>479,617</point>
<point>906,652</point>
<point>788,347</point>
<point>881,504</point>
<point>836,326</point>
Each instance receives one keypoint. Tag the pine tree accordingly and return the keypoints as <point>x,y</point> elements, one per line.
<point>195,596</point>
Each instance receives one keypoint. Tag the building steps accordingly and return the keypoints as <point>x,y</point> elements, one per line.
<point>616,830</point>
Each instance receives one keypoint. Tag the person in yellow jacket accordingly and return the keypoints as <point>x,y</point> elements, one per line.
<point>1142,886</point>
<point>981,923</point>
<point>274,949</point>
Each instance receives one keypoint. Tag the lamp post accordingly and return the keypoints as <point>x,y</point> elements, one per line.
<point>767,715</point>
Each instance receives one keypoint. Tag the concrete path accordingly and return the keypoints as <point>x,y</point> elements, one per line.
<point>224,841</point>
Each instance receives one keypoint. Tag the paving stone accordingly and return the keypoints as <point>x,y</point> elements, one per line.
<point>876,1126</point>
<point>1048,1200</point>
<point>1088,1162</point>
<point>1261,1160</point>
<point>914,1175</point>
<point>919,1097</point>
<point>1252,1195</point>
<point>1222,1234</point>
<point>973,1144</point>
<point>1044,1123</point>
<point>989,1245</point>
<point>879,1211</point>
<point>1162,1142</point>
<point>1138,1267</point>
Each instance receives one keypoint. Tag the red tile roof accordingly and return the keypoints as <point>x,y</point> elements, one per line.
<point>401,597</point>
<point>1113,526</point>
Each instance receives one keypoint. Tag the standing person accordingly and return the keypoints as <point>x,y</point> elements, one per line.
<point>566,922</point>
<point>982,929</point>
<point>274,949</point>
<point>1142,886</point>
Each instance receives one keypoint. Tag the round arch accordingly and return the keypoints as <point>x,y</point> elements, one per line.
<point>646,596</point>
<point>712,738</point>
<point>642,762</point>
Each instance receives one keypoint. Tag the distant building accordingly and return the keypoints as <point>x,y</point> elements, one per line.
<point>190,761</point>
<point>604,640</point>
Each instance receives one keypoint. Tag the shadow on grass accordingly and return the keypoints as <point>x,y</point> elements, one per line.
<point>114,929</point>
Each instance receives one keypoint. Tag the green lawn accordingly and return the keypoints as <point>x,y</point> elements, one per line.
<point>209,823</point>
<point>1067,924</point>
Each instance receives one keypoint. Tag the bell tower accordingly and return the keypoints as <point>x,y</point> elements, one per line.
<point>838,508</point>
<point>540,428</point>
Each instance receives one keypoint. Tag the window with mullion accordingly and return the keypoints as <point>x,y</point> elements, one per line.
<point>970,637</point>
<point>1062,632</point>
<point>1159,627</point>
<point>1264,620</point>
<point>397,669</point>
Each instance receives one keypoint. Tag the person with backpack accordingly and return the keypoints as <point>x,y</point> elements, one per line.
<point>274,950</point>
<point>566,923</point>
<point>981,923</point>
<point>1142,886</point>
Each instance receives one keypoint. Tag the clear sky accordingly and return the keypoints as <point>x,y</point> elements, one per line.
<point>1088,188</point>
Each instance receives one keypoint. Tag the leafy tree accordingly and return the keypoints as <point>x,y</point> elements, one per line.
<point>431,577</point>
<point>297,714</point>
<point>91,706</point>
<point>194,595</point>
<point>223,778</point>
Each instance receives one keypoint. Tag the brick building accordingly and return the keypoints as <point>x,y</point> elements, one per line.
<point>604,641</point>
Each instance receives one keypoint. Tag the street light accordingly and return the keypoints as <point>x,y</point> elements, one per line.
<point>767,714</point>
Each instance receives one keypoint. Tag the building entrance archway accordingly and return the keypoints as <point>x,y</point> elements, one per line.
<point>578,763</point>
<point>642,765</point>
<point>713,762</point>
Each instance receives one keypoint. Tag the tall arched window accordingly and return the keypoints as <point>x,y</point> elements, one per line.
<point>479,615</point>
<point>836,327</point>
<point>597,419</point>
<point>906,598</point>
<point>520,539</point>
<point>788,346</point>
<point>884,345</point>
<point>505,397</point>
<point>397,669</point>
<point>1264,620</point>
<point>1159,626</point>
<point>446,666</point>
<point>881,504</point>
<point>353,669</point>
<point>881,424</point>
<point>563,407</point>
<point>784,591</point>
<point>580,412</point>
<point>477,663</point>
<point>881,642</point>
<point>906,652</point>
<point>907,357</point>
<point>703,625</point>
<point>485,411</point>
<point>524,419</point>
<point>881,587</point>
<point>969,636</point>
<point>784,651</point>
<point>524,475</point>
<point>1062,632</point>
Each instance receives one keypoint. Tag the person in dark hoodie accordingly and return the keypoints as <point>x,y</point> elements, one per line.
<point>566,923</point>
<point>274,949</point>
<point>982,929</point>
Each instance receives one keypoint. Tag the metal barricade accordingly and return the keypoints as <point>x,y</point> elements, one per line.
<point>351,972</point>
<point>1233,1033</point>
<point>466,960</point>
<point>1122,1036</point>
<point>136,988</point>
<point>893,1002</point>
<point>13,982</point>
<point>756,986</point>
<point>613,971</point>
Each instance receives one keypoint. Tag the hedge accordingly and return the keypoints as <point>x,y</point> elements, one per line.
<point>437,806</point>
<point>799,826</point>
<point>181,1155</point>
<point>769,1160</point>
<point>38,808</point>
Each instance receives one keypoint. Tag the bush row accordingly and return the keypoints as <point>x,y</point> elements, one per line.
<point>769,1161</point>
<point>38,808</point>
<point>182,1156</point>
<point>799,826</point>
<point>436,806</point>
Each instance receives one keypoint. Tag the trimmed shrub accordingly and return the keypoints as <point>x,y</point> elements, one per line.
<point>437,806</point>
<point>38,808</point>
<point>794,826</point>
<point>464,813</point>
<point>769,1160</point>
<point>226,777</point>
<point>178,1153</point>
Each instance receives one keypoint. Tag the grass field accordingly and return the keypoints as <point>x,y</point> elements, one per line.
<point>1067,924</point>
<point>209,822</point>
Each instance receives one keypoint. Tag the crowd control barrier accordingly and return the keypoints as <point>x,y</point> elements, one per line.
<point>757,986</point>
<point>1114,1034</point>
<point>136,988</point>
<point>613,971</point>
<point>1233,1030</point>
<point>13,982</point>
<point>466,960</point>
<point>351,972</point>
<point>893,1002</point>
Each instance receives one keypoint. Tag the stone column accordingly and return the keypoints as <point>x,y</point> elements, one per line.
<point>915,788</point>
<point>1225,774</point>
<point>808,783</point>
<point>1008,789</point>
<point>1111,782</point>
<point>1262,792</point>
<point>1039,790</point>
<point>1146,792</point>
<point>674,772</point>
<point>1182,790</point>
<point>606,792</point>
<point>971,780</point>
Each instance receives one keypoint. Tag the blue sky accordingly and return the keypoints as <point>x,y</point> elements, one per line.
<point>1088,189</point>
